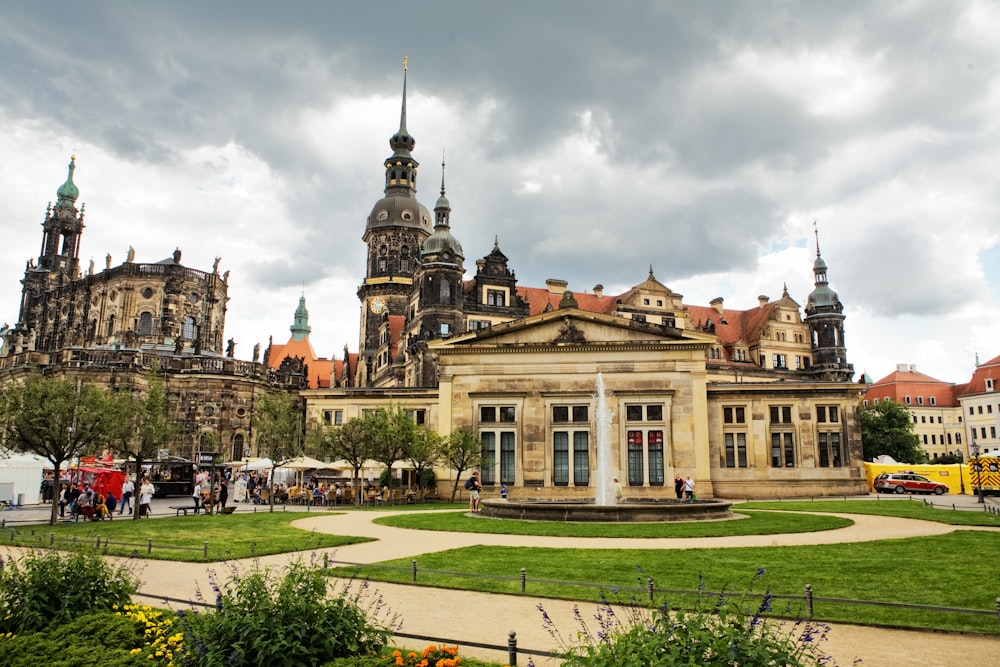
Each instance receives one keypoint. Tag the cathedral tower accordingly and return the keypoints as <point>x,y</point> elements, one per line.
<point>394,233</point>
<point>825,317</point>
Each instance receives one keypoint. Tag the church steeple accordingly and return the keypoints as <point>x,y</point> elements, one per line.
<point>400,167</point>
<point>300,326</point>
<point>825,317</point>
<point>62,229</point>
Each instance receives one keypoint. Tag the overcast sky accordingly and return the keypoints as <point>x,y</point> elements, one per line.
<point>594,139</point>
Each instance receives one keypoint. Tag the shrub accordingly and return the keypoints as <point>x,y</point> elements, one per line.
<point>721,630</point>
<point>291,619</point>
<point>100,638</point>
<point>50,587</point>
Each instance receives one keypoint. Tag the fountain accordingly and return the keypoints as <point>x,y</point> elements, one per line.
<point>604,506</point>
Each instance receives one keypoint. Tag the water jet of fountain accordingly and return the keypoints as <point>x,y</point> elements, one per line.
<point>602,420</point>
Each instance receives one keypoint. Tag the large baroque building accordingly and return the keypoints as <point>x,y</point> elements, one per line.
<point>115,325</point>
<point>756,402</point>
<point>980,400</point>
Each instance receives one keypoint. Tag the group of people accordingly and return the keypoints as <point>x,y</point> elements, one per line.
<point>210,496</point>
<point>93,505</point>
<point>684,488</point>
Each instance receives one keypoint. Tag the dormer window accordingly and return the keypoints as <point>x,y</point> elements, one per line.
<point>989,384</point>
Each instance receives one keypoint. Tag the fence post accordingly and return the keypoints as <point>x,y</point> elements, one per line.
<point>414,561</point>
<point>149,545</point>
<point>97,547</point>
<point>512,648</point>
<point>649,588</point>
<point>998,608</point>
<point>204,550</point>
<point>809,601</point>
<point>253,547</point>
<point>524,579</point>
<point>52,539</point>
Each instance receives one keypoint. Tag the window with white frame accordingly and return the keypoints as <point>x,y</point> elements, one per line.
<point>645,443</point>
<point>571,444</point>
<point>498,434</point>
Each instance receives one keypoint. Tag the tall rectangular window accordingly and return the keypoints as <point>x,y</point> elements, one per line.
<point>635,462</point>
<point>581,458</point>
<point>488,467</point>
<point>830,453</point>
<point>781,414</point>
<point>655,450</point>
<point>560,458</point>
<point>495,297</point>
<point>736,450</point>
<point>507,473</point>
<point>782,450</point>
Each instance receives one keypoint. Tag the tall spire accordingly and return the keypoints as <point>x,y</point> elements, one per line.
<point>402,142</point>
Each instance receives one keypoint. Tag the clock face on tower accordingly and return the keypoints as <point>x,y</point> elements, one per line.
<point>377,305</point>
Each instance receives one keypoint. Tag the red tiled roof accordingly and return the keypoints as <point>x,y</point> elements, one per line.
<point>319,367</point>
<point>539,298</point>
<point>900,384</point>
<point>990,369</point>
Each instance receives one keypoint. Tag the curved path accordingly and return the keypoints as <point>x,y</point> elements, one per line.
<point>487,618</point>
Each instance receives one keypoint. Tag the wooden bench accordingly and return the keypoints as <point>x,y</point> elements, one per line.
<point>183,509</point>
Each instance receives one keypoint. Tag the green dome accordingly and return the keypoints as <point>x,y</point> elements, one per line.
<point>68,192</point>
<point>439,240</point>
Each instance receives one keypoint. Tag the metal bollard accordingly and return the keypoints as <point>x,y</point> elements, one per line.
<point>512,648</point>
<point>524,579</point>
<point>649,588</point>
<point>809,601</point>
<point>414,570</point>
<point>149,545</point>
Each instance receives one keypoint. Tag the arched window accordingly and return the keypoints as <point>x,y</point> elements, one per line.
<point>111,324</point>
<point>145,324</point>
<point>188,328</point>
<point>237,447</point>
<point>383,257</point>
<point>445,292</point>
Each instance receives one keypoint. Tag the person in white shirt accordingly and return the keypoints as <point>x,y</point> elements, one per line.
<point>128,489</point>
<point>146,492</point>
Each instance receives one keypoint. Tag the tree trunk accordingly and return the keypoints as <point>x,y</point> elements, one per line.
<point>54,514</point>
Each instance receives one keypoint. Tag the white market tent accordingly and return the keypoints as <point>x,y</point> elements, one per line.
<point>21,474</point>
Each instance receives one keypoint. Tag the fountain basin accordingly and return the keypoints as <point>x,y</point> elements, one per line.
<point>626,512</point>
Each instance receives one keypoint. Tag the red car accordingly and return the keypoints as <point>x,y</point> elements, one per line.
<point>908,483</point>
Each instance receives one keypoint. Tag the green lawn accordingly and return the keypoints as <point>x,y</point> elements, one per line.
<point>907,509</point>
<point>937,571</point>
<point>229,536</point>
<point>757,523</point>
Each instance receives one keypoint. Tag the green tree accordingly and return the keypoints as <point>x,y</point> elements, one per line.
<point>425,452</point>
<point>462,450</point>
<point>350,442</point>
<point>57,419</point>
<point>887,428</point>
<point>278,427</point>
<point>142,425</point>
<point>392,434</point>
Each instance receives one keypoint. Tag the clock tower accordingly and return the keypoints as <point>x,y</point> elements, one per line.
<point>394,233</point>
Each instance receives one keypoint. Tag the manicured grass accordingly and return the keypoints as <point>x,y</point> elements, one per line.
<point>228,536</point>
<point>906,509</point>
<point>947,570</point>
<point>760,523</point>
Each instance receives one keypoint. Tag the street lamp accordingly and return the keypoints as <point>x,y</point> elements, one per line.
<point>974,450</point>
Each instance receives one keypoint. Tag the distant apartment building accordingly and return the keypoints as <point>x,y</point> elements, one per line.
<point>980,405</point>
<point>933,404</point>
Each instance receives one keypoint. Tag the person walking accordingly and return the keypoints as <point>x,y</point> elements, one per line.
<point>196,495</point>
<point>146,492</point>
<point>689,488</point>
<point>679,486</point>
<point>618,490</point>
<point>223,492</point>
<point>63,499</point>
<point>128,490</point>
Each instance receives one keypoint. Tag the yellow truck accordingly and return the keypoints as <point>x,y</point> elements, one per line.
<point>985,470</point>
